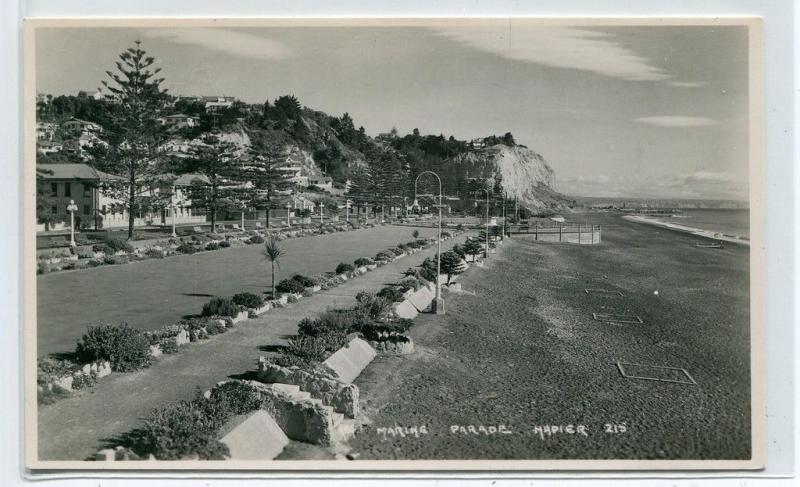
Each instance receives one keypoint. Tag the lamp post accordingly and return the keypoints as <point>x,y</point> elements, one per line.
<point>438,303</point>
<point>288,207</point>
<point>72,208</point>
<point>174,211</point>
<point>244,207</point>
<point>503,229</point>
<point>321,212</point>
<point>486,252</point>
<point>347,204</point>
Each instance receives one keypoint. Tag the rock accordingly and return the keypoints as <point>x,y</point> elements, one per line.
<point>422,298</point>
<point>182,338</point>
<point>348,362</point>
<point>405,309</point>
<point>64,383</point>
<point>155,351</point>
<point>402,346</point>
<point>258,437</point>
<point>103,369</point>
<point>333,392</point>
<point>260,311</point>
<point>86,369</point>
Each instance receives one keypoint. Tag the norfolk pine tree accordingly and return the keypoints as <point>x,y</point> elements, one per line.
<point>217,160</point>
<point>133,132</point>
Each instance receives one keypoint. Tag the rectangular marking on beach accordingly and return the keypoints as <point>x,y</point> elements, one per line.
<point>612,318</point>
<point>604,291</point>
<point>677,375</point>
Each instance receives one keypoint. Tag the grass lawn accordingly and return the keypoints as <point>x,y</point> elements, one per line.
<point>157,292</point>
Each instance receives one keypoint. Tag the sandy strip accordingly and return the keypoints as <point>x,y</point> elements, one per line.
<point>691,230</point>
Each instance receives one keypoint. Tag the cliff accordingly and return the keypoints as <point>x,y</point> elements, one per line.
<point>522,173</point>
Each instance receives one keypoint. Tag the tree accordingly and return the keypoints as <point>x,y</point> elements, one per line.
<point>133,131</point>
<point>260,177</point>
<point>273,252</point>
<point>451,264</point>
<point>472,247</point>
<point>216,160</point>
<point>44,200</point>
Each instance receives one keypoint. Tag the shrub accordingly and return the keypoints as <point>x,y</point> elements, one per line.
<point>220,307</point>
<point>214,236</point>
<point>118,244</point>
<point>413,244</point>
<point>248,300</point>
<point>186,248</point>
<point>236,397</point>
<point>50,369</point>
<point>459,250</point>
<point>95,263</point>
<point>308,348</point>
<point>289,286</point>
<point>362,261</point>
<point>391,293</point>
<point>451,265</point>
<point>212,246</point>
<point>410,282</point>
<point>290,360</point>
<point>422,242</point>
<point>446,234</point>
<point>154,253</point>
<point>385,255</point>
<point>396,251</point>
<point>404,247</point>
<point>214,327</point>
<point>168,345</point>
<point>224,244</point>
<point>83,381</point>
<point>183,429</point>
<point>256,239</point>
<point>304,280</point>
<point>127,349</point>
<point>374,307</point>
<point>291,299</point>
<point>343,268</point>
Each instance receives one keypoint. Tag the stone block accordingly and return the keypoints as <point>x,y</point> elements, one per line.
<point>422,298</point>
<point>93,369</point>
<point>301,419</point>
<point>394,346</point>
<point>182,338</point>
<point>260,311</point>
<point>371,267</point>
<point>362,269</point>
<point>258,437</point>
<point>348,362</point>
<point>405,309</point>
<point>103,369</point>
<point>343,277</point>
<point>86,369</point>
<point>321,384</point>
<point>155,351</point>
<point>242,316</point>
<point>64,383</point>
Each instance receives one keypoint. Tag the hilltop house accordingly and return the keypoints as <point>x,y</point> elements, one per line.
<point>213,103</point>
<point>323,182</point>
<point>179,121</point>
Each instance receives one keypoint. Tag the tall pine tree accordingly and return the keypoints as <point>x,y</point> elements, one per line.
<point>262,179</point>
<point>133,131</point>
<point>217,160</point>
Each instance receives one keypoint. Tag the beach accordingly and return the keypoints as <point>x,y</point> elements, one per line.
<point>717,234</point>
<point>521,348</point>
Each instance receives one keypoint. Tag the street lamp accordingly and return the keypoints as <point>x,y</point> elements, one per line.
<point>486,252</point>
<point>288,207</point>
<point>438,303</point>
<point>321,213</point>
<point>72,208</point>
<point>503,230</point>
<point>347,204</point>
<point>174,211</point>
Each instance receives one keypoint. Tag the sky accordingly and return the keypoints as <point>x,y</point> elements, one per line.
<point>617,111</point>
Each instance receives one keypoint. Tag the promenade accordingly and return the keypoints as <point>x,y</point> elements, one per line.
<point>74,428</point>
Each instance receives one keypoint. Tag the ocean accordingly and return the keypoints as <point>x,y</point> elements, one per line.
<point>730,222</point>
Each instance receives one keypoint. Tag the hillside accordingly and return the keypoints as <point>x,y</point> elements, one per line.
<point>522,173</point>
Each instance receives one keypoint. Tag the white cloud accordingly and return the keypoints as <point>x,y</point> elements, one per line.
<point>561,47</point>
<point>699,184</point>
<point>230,42</point>
<point>687,84</point>
<point>676,121</point>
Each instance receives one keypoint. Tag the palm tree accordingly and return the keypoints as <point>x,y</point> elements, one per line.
<point>273,252</point>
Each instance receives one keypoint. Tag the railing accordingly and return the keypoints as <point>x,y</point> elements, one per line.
<point>581,233</point>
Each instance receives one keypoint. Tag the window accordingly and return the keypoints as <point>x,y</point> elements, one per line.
<point>87,209</point>
<point>54,210</point>
<point>87,190</point>
<point>54,188</point>
<point>67,189</point>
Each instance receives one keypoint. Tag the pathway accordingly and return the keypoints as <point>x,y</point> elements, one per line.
<point>73,428</point>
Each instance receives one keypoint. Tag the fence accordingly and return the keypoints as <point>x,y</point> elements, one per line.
<point>580,233</point>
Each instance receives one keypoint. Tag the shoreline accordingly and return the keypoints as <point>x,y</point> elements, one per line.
<point>698,232</point>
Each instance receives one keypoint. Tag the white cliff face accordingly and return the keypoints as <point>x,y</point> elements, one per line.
<point>524,174</point>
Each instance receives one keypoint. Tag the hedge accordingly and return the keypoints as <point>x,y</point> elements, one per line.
<point>126,348</point>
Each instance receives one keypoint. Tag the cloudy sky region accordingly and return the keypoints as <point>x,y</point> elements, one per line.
<point>616,111</point>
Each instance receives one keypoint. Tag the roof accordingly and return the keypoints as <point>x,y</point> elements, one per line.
<point>73,119</point>
<point>74,171</point>
<point>179,115</point>
<point>189,178</point>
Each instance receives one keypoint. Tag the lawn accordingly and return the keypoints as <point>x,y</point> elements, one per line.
<point>157,292</point>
